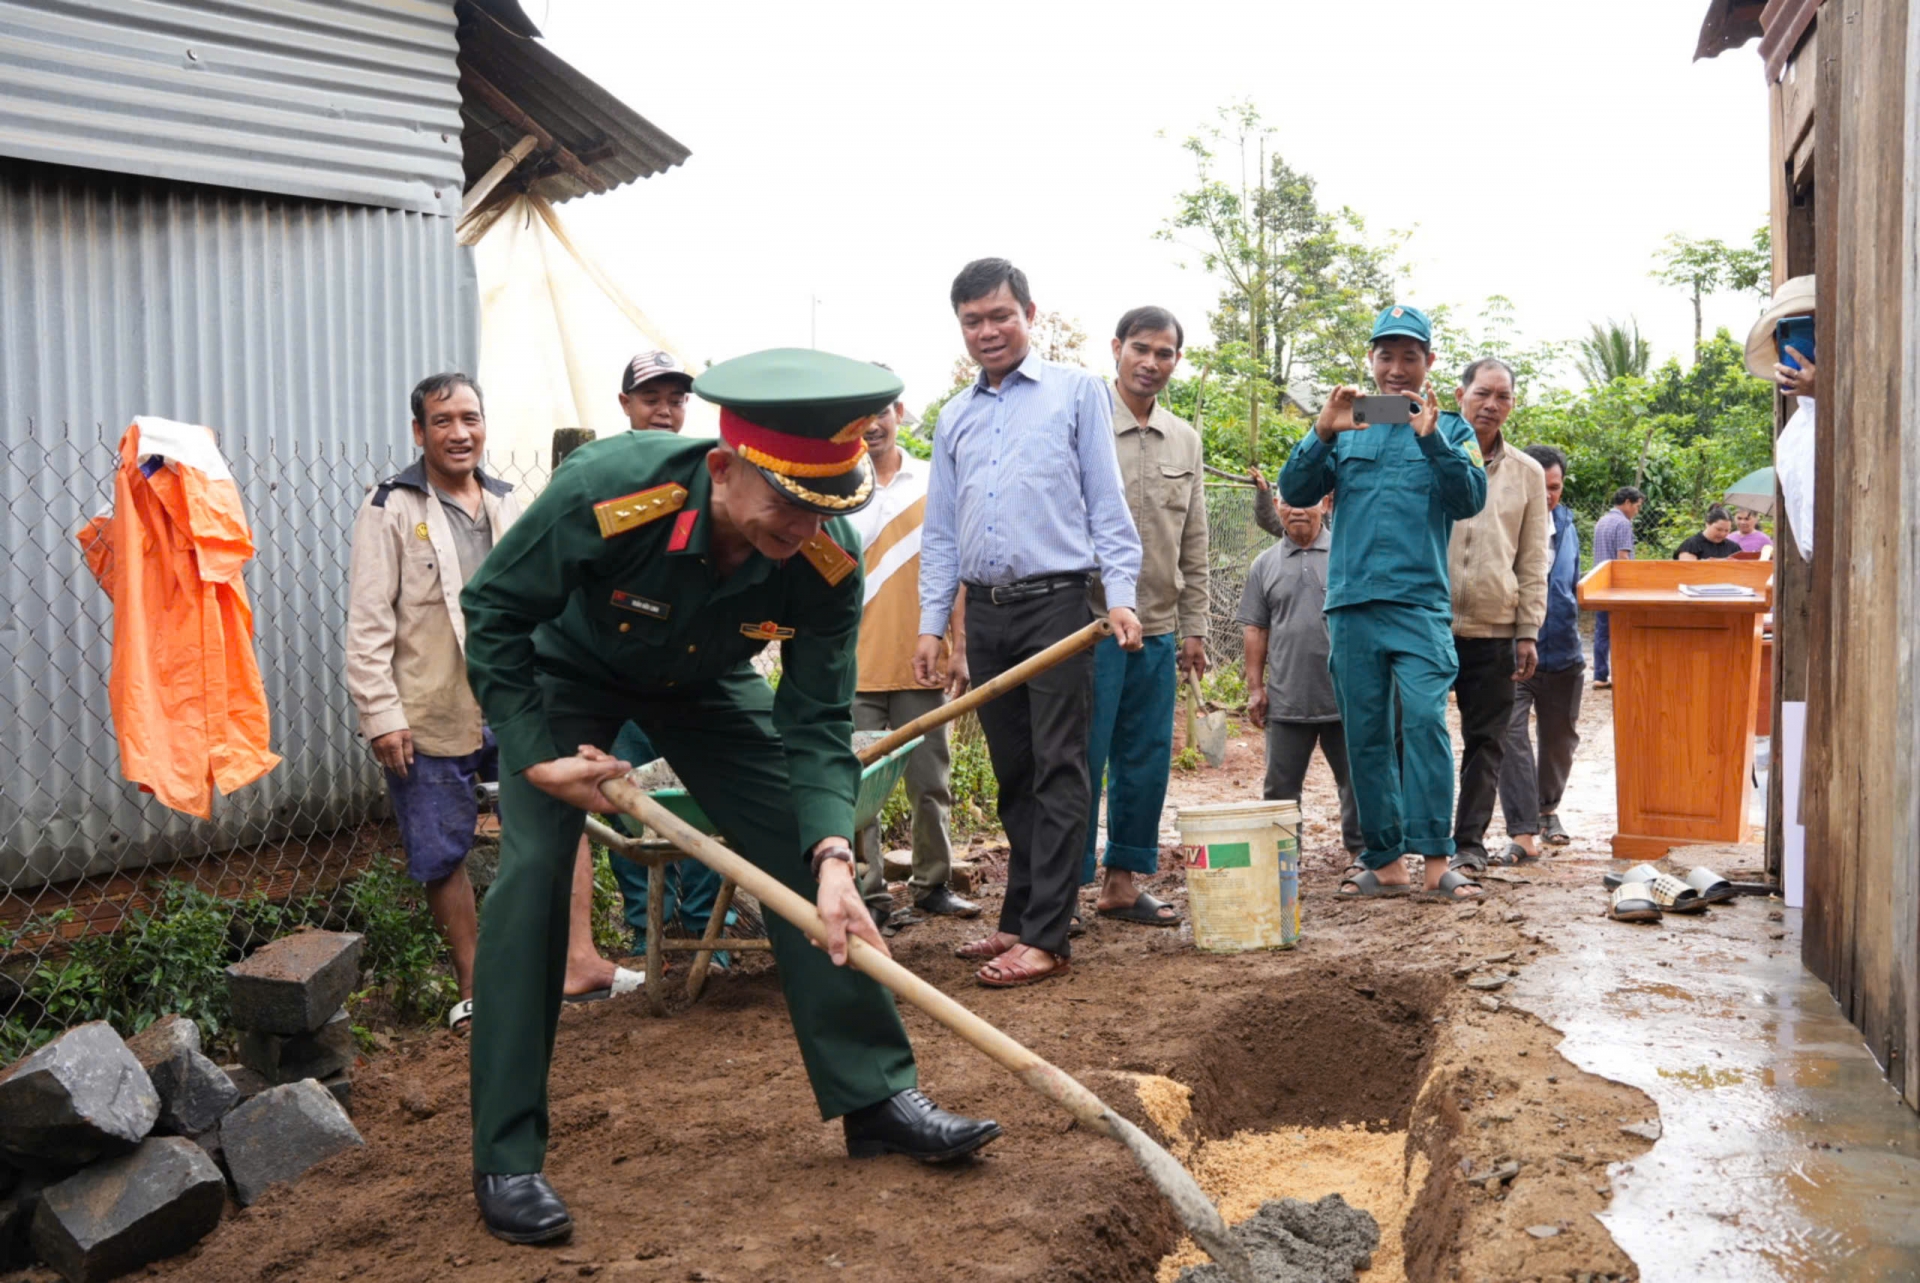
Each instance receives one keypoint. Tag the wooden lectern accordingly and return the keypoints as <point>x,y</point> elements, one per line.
<point>1686,681</point>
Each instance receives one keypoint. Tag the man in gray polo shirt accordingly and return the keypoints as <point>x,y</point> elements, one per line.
<point>1289,687</point>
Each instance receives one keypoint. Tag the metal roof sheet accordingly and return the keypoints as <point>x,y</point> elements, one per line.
<point>617,143</point>
<point>354,100</point>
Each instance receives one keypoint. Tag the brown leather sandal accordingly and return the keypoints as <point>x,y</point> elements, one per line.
<point>1002,974</point>
<point>987,947</point>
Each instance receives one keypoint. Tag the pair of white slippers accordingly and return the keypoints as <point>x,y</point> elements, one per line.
<point>624,982</point>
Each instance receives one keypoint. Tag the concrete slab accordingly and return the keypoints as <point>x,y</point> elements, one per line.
<point>1782,1151</point>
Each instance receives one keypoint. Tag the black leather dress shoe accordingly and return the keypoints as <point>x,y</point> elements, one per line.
<point>910,1124</point>
<point>522,1208</point>
<point>942,900</point>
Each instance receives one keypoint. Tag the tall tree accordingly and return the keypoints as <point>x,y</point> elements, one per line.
<point>1299,284</point>
<point>1612,351</point>
<point>1708,265</point>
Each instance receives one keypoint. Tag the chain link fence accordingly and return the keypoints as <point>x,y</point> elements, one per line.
<point>109,901</point>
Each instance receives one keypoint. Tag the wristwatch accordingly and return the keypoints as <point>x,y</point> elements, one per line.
<point>837,850</point>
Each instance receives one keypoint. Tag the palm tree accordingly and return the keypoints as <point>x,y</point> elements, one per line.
<point>1613,351</point>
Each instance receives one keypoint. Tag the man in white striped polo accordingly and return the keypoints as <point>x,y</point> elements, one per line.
<point>888,695</point>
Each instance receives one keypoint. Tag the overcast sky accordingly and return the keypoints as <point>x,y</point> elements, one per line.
<point>861,153</point>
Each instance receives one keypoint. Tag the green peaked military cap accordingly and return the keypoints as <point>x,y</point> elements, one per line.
<point>800,417</point>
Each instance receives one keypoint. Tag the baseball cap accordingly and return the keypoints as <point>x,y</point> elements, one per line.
<point>648,366</point>
<point>1399,320</point>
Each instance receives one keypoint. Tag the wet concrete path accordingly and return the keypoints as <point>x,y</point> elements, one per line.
<point>1783,1151</point>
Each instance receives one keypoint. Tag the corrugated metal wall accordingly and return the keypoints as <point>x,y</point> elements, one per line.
<point>349,100</point>
<point>291,327</point>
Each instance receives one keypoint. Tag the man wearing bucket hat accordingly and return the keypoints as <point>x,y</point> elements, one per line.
<point>1772,354</point>
<point>638,586</point>
<point>1402,486</point>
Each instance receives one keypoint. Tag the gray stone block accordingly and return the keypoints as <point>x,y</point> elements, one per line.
<point>118,1215</point>
<point>294,984</point>
<point>280,1133</point>
<point>194,1092</point>
<point>81,1097</point>
<point>280,1058</point>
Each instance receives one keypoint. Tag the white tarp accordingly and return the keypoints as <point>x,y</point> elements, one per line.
<point>556,332</point>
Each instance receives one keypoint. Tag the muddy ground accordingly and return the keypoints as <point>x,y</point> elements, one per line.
<point>689,1148</point>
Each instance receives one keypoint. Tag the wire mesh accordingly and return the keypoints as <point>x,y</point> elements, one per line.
<point>82,851</point>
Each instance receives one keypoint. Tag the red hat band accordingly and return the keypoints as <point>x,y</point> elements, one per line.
<point>794,456</point>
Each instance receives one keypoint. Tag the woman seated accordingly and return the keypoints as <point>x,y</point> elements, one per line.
<point>1711,543</point>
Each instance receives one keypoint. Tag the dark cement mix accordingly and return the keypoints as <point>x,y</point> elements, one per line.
<point>1295,1242</point>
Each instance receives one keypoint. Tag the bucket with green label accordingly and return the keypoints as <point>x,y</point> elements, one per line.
<point>1243,874</point>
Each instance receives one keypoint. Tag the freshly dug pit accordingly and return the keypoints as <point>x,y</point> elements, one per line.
<point>1295,1242</point>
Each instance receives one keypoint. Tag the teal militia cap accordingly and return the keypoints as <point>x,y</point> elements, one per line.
<point>800,417</point>
<point>1397,321</point>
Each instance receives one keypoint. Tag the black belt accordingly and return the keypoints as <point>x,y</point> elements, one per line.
<point>1024,589</point>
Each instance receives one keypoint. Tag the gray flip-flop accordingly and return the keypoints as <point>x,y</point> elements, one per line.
<point>1450,881</point>
<point>1367,887</point>
<point>1713,888</point>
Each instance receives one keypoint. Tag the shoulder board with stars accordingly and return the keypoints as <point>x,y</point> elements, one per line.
<point>629,512</point>
<point>832,561</point>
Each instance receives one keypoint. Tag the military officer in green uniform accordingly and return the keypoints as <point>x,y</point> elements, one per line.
<point>1389,611</point>
<point>637,586</point>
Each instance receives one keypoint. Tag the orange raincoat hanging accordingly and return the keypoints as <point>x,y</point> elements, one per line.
<point>189,709</point>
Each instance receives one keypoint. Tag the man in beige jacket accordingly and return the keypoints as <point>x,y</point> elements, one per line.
<point>417,538</point>
<point>1497,568</point>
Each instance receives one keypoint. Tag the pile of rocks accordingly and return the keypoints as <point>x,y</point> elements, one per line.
<point>115,1153</point>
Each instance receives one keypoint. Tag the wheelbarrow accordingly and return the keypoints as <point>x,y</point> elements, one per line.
<point>877,780</point>
<point>882,760</point>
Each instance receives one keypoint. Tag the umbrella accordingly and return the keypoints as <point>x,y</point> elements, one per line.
<point>1754,491</point>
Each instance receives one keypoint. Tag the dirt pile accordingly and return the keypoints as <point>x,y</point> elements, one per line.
<point>1295,1242</point>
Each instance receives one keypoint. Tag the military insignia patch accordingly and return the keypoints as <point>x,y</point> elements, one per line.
<point>832,561</point>
<point>765,630</point>
<point>1473,452</point>
<point>642,605</point>
<point>629,512</point>
<point>420,531</point>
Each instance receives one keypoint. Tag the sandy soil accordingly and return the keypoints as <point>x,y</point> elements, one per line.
<point>688,1147</point>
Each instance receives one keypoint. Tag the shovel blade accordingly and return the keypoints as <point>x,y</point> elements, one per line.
<point>1211,738</point>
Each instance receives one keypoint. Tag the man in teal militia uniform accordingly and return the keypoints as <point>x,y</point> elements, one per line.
<point>637,586</point>
<point>1389,609</point>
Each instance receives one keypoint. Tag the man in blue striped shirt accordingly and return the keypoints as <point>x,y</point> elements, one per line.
<point>1026,500</point>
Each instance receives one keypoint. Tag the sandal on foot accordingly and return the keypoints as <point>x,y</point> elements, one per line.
<point>1003,973</point>
<point>1713,888</point>
<point>1075,928</point>
<point>1552,832</point>
<point>1517,854</point>
<point>1633,902</point>
<point>1147,911</point>
<point>1366,885</point>
<point>461,1016</point>
<point>987,947</point>
<point>624,982</point>
<point>1450,881</point>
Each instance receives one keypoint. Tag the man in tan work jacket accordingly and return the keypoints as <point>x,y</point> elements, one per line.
<point>417,539</point>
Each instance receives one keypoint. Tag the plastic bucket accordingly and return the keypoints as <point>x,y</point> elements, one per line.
<point>1243,874</point>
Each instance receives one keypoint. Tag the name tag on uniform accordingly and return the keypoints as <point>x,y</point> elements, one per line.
<point>765,630</point>
<point>642,605</point>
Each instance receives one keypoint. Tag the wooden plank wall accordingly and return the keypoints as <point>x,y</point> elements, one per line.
<point>1862,923</point>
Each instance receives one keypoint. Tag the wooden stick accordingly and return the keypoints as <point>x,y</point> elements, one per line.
<point>1195,1210</point>
<point>508,162</point>
<point>1025,671</point>
<point>472,82</point>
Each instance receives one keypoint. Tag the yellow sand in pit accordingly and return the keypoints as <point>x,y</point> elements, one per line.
<point>1363,1167</point>
<point>1168,1103</point>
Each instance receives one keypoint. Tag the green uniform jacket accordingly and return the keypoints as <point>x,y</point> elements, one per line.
<point>641,614</point>
<point>1399,495</point>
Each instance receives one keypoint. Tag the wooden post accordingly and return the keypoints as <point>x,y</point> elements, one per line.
<point>508,162</point>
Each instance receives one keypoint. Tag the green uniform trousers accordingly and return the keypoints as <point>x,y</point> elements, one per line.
<point>1383,650</point>
<point>719,738</point>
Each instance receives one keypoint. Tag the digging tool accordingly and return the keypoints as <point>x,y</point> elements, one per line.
<point>1206,727</point>
<point>1024,671</point>
<point>1196,1212</point>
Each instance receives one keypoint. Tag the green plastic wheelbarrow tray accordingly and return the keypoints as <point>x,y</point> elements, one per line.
<point>876,785</point>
